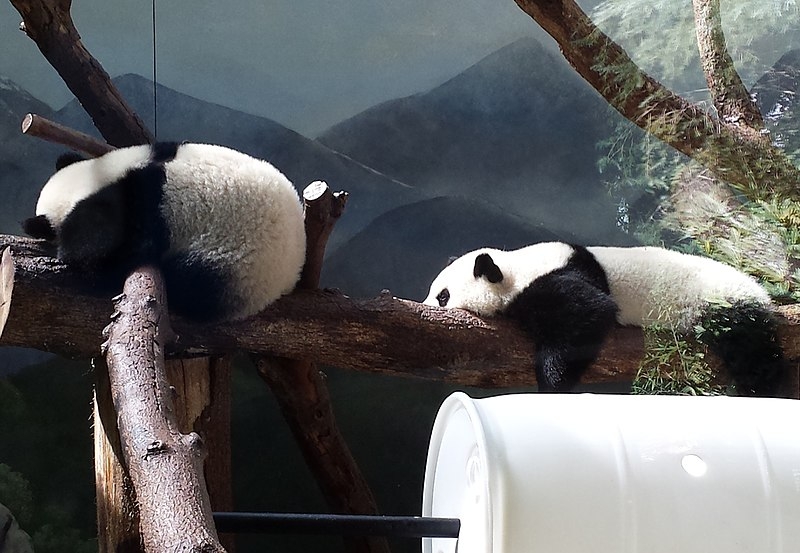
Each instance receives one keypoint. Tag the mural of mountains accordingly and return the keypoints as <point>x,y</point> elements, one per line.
<point>494,133</point>
<point>518,129</point>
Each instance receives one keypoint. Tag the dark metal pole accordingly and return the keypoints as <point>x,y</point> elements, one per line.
<point>342,525</point>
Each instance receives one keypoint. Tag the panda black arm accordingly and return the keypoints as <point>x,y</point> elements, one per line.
<point>568,318</point>
<point>92,233</point>
<point>39,227</point>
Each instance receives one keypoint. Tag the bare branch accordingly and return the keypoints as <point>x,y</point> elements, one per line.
<point>41,127</point>
<point>6,286</point>
<point>53,312</point>
<point>323,209</point>
<point>303,395</point>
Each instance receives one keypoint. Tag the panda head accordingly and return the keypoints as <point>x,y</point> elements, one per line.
<point>75,181</point>
<point>475,282</point>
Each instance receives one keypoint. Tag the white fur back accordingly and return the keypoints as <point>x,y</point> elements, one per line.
<point>657,285</point>
<point>81,179</point>
<point>252,224</point>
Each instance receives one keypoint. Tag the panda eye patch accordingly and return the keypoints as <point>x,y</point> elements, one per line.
<point>443,297</point>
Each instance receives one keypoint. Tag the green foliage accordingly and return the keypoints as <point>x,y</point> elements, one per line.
<point>46,476</point>
<point>660,35</point>
<point>15,493</point>
<point>674,364</point>
<point>760,238</point>
<point>637,170</point>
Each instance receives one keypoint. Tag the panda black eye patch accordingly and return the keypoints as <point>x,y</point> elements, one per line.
<point>443,297</point>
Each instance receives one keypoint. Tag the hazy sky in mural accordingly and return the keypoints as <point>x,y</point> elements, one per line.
<point>305,63</point>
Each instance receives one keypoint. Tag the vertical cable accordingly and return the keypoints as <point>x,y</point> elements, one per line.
<point>155,75</point>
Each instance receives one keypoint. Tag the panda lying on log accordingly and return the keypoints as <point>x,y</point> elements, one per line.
<point>568,298</point>
<point>226,229</point>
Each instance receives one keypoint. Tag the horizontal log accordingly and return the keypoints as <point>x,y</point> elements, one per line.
<point>51,310</point>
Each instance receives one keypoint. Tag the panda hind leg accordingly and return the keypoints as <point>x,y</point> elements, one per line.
<point>568,319</point>
<point>745,337</point>
<point>197,289</point>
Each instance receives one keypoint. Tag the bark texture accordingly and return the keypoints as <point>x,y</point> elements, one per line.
<point>728,93</point>
<point>302,393</point>
<point>158,456</point>
<point>384,335</point>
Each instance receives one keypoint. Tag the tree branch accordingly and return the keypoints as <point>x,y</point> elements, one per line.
<point>752,166</point>
<point>53,312</point>
<point>733,103</point>
<point>41,127</point>
<point>303,395</point>
<point>158,456</point>
<point>49,24</point>
<point>6,286</point>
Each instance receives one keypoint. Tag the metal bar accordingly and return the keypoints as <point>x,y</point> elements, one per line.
<point>342,525</point>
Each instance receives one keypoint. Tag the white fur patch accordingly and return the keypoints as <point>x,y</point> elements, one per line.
<point>81,179</point>
<point>234,212</point>
<point>251,223</point>
<point>657,285</point>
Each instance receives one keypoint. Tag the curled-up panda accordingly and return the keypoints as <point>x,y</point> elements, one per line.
<point>225,228</point>
<point>568,298</point>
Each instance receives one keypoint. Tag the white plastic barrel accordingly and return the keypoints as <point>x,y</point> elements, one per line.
<point>530,473</point>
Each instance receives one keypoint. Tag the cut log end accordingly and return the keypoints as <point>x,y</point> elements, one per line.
<point>6,286</point>
<point>315,190</point>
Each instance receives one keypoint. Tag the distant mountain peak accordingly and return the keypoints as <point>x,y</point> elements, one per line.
<point>8,84</point>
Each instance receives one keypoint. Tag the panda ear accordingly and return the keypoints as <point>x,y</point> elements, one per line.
<point>485,267</point>
<point>68,158</point>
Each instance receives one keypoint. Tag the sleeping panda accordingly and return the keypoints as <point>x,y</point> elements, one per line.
<point>225,228</point>
<point>568,298</point>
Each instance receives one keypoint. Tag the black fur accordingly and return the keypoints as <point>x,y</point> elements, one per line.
<point>195,289</point>
<point>485,267</point>
<point>39,227</point>
<point>120,226</point>
<point>745,337</point>
<point>68,158</point>
<point>567,313</point>
<point>164,152</point>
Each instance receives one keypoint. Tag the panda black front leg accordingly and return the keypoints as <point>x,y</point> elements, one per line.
<point>568,319</point>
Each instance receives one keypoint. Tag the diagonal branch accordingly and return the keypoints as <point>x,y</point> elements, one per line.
<point>49,24</point>
<point>303,396</point>
<point>752,166</point>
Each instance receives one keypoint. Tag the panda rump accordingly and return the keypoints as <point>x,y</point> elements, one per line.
<point>226,228</point>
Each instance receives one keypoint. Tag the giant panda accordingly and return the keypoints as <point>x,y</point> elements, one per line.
<point>226,229</point>
<point>567,298</point>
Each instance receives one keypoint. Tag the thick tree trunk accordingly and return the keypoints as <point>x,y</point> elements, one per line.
<point>164,464</point>
<point>731,99</point>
